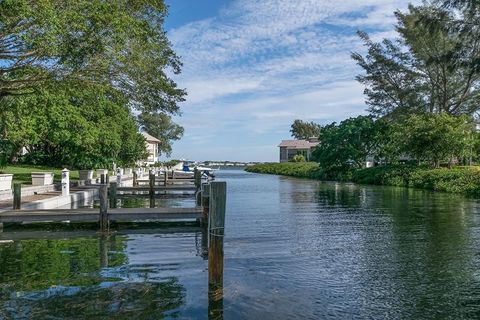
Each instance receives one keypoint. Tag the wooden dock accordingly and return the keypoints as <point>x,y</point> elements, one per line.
<point>108,212</point>
<point>158,188</point>
<point>210,212</point>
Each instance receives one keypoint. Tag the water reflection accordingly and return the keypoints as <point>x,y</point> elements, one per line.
<point>407,252</point>
<point>97,276</point>
<point>215,274</point>
<point>133,201</point>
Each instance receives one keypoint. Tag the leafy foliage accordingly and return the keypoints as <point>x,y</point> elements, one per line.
<point>6,149</point>
<point>81,127</point>
<point>298,158</point>
<point>345,146</point>
<point>160,126</point>
<point>464,180</point>
<point>473,4</point>
<point>119,42</point>
<point>107,58</point>
<point>432,67</point>
<point>434,137</point>
<point>305,130</point>
<point>300,170</point>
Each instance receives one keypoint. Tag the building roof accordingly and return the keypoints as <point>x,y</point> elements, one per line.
<point>298,144</point>
<point>150,138</point>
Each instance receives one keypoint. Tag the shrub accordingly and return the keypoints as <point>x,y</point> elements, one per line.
<point>298,158</point>
<point>457,180</point>
<point>464,180</point>
<point>294,169</point>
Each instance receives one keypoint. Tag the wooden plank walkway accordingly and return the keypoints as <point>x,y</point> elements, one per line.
<point>160,196</point>
<point>85,215</point>
<point>169,180</point>
<point>159,188</point>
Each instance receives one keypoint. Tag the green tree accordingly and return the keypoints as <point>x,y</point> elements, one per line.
<point>305,130</point>
<point>6,149</point>
<point>171,163</point>
<point>431,67</point>
<point>472,5</point>
<point>117,47</point>
<point>84,127</point>
<point>161,126</point>
<point>346,146</point>
<point>435,138</point>
<point>462,3</point>
<point>120,42</point>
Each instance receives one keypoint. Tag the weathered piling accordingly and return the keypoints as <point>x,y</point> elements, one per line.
<point>165,178</point>
<point>103,195</point>
<point>151,180</point>
<point>17,196</point>
<point>198,197</point>
<point>205,202</point>
<point>197,176</point>
<point>152,202</point>
<point>113,194</point>
<point>135,179</point>
<point>216,227</point>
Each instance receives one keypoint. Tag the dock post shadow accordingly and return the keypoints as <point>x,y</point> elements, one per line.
<point>104,242</point>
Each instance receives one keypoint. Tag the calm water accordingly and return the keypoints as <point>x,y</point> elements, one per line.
<point>294,249</point>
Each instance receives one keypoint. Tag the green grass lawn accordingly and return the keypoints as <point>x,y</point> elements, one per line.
<point>22,173</point>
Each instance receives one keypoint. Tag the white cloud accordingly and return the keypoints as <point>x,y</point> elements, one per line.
<point>204,89</point>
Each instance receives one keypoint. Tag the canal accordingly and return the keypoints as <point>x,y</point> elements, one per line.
<point>294,249</point>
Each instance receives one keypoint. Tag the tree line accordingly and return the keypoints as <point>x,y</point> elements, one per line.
<point>79,79</point>
<point>422,90</point>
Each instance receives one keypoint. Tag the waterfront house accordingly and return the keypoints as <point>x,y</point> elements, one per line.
<point>152,148</point>
<point>290,148</point>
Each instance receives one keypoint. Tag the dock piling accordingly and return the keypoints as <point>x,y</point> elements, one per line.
<point>197,175</point>
<point>113,194</point>
<point>17,196</point>
<point>151,178</point>
<point>205,202</point>
<point>216,227</point>
<point>135,178</point>
<point>152,202</point>
<point>198,197</point>
<point>103,191</point>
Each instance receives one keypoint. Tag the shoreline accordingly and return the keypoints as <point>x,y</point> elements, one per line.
<point>459,180</point>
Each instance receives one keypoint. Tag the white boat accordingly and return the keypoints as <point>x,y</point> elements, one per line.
<point>185,168</point>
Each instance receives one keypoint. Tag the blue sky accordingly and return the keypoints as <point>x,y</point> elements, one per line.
<point>251,67</point>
